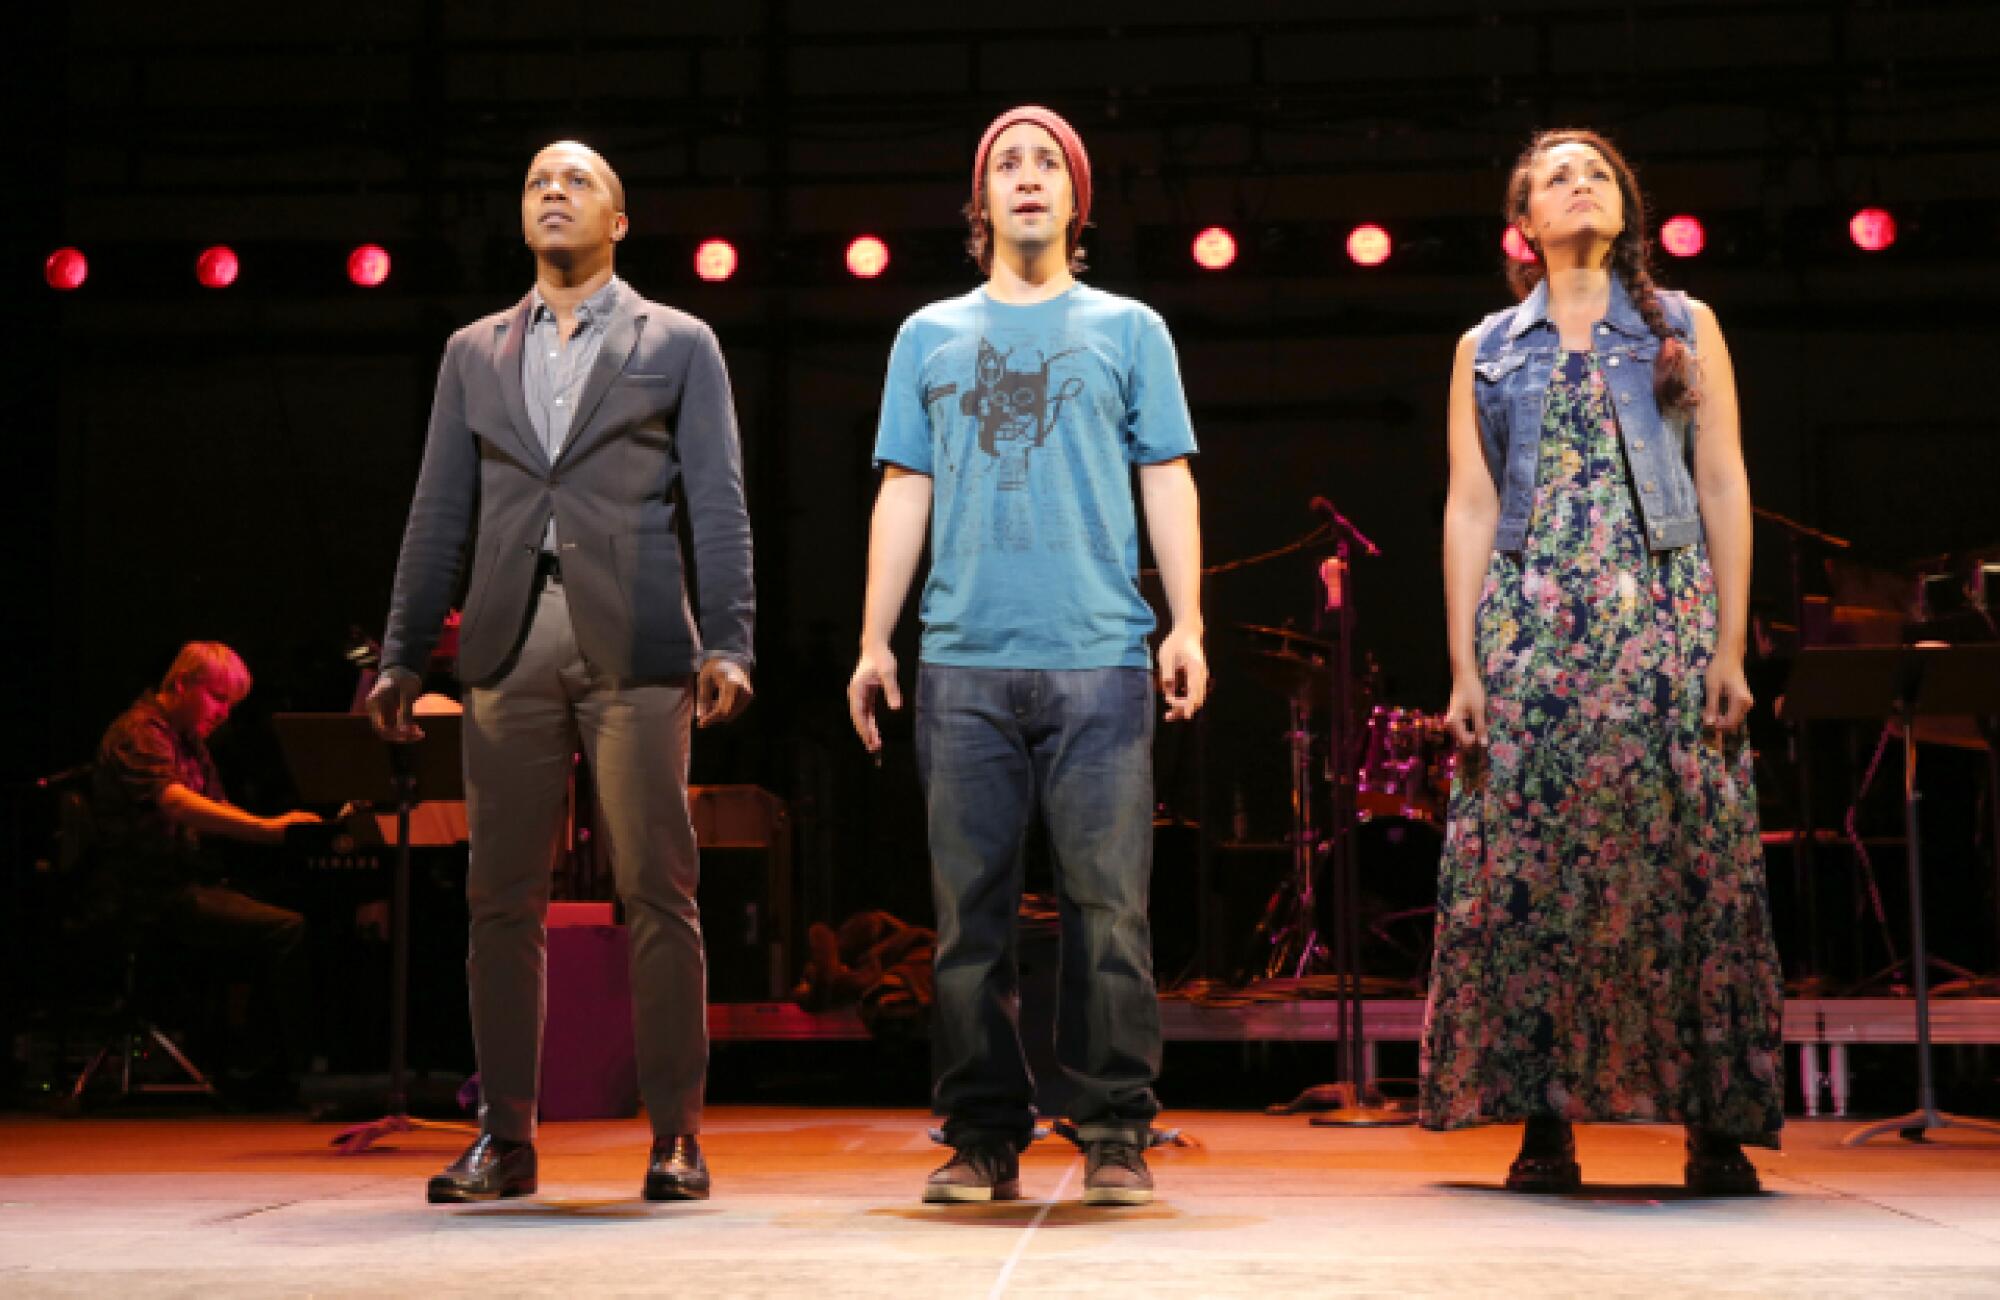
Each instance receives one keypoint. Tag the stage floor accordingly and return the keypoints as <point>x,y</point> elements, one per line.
<point>824,1203</point>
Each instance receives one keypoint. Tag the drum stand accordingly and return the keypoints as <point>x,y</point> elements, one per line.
<point>1288,932</point>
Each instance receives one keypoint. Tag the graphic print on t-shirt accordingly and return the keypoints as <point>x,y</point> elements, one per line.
<point>1015,411</point>
<point>1030,418</point>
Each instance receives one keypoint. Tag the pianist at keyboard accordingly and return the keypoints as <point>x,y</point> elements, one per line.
<point>156,797</point>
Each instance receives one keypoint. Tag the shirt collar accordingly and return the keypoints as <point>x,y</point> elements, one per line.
<point>592,311</point>
<point>1619,313</point>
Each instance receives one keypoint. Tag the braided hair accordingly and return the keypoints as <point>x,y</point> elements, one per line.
<point>1675,385</point>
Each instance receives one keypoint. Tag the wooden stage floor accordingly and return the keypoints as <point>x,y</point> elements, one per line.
<point>824,1203</point>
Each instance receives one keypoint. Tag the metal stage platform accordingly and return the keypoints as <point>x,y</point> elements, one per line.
<point>1826,1021</point>
<point>1822,1029</point>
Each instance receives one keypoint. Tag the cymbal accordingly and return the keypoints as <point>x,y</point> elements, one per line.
<point>1286,673</point>
<point>1284,660</point>
<point>1286,635</point>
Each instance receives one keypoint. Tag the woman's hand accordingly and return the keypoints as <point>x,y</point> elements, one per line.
<point>1466,714</point>
<point>1728,696</point>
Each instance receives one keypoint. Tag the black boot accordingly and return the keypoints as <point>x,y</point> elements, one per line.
<point>1716,1166</point>
<point>1547,1163</point>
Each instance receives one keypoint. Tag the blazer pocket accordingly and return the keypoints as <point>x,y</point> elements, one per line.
<point>647,380</point>
<point>649,560</point>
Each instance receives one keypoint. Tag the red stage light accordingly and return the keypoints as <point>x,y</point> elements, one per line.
<point>715,260</point>
<point>1214,249</point>
<point>867,257</point>
<point>1683,236</point>
<point>368,265</point>
<point>65,270</point>
<point>216,268</point>
<point>1873,229</point>
<point>1368,245</point>
<point>1515,245</point>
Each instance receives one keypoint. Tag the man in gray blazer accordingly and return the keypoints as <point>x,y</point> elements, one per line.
<point>566,435</point>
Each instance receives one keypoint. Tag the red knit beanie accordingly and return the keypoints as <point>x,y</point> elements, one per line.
<point>1066,139</point>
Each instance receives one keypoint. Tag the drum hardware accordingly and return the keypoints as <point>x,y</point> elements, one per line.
<point>1287,934</point>
<point>1407,765</point>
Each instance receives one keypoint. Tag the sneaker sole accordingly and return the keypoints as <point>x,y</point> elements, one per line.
<point>1117,1196</point>
<point>949,1195</point>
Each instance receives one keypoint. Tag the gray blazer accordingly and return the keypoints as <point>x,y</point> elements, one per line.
<point>654,429</point>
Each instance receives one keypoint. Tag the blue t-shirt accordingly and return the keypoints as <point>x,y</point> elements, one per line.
<point>1029,419</point>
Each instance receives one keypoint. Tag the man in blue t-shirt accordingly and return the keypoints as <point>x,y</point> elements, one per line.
<point>1011,422</point>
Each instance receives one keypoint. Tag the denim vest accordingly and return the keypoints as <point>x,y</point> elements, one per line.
<point>1517,351</point>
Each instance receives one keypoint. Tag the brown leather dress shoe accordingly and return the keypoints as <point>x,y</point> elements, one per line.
<point>675,1171</point>
<point>490,1169</point>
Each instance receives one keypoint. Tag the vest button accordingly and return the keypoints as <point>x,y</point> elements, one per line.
<point>1612,362</point>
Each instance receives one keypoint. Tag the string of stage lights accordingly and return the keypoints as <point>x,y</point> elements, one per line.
<point>867,257</point>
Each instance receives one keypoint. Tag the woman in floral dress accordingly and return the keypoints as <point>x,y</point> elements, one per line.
<point>1603,937</point>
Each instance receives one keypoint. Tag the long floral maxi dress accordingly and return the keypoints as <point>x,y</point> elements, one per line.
<point>1603,932</point>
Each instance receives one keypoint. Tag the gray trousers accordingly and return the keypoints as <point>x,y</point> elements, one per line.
<point>520,734</point>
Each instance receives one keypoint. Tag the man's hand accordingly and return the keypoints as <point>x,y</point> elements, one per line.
<point>1183,674</point>
<point>874,675</point>
<point>721,692</point>
<point>396,690</point>
<point>274,827</point>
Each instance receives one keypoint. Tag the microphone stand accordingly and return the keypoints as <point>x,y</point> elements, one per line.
<point>1353,1105</point>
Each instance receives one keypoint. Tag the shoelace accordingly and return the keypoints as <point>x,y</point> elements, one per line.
<point>1123,1154</point>
<point>988,1162</point>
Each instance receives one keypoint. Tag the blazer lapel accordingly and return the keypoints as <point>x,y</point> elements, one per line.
<point>507,364</point>
<point>620,337</point>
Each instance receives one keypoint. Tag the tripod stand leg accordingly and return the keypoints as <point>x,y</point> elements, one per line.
<point>357,1138</point>
<point>89,1073</point>
<point>196,1078</point>
<point>1914,1126</point>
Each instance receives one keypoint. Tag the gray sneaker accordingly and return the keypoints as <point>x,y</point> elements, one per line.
<point>981,1171</point>
<point>1115,1173</point>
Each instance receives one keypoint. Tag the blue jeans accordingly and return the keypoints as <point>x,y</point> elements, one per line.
<point>995,746</point>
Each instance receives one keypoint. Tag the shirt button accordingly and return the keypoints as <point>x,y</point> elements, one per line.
<point>559,401</point>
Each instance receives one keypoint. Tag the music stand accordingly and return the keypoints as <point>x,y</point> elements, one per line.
<point>336,758</point>
<point>1906,683</point>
